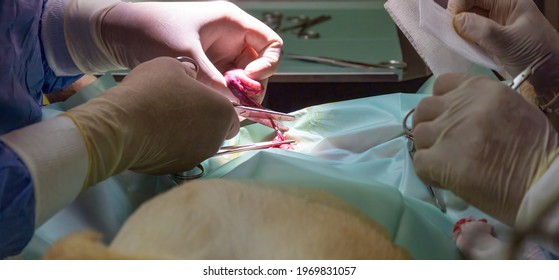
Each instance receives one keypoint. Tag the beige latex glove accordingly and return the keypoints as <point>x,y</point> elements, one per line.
<point>158,120</point>
<point>218,35</point>
<point>517,33</point>
<point>481,140</point>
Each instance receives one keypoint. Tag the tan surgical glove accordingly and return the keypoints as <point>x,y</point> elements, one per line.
<point>517,33</point>
<point>158,120</point>
<point>481,140</point>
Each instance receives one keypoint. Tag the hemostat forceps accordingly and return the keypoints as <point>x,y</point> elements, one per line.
<point>264,116</point>
<point>261,113</point>
<point>439,202</point>
<point>249,147</point>
<point>224,150</point>
<point>514,84</point>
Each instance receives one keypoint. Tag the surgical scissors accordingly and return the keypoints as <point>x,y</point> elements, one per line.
<point>514,84</point>
<point>189,60</point>
<point>385,64</point>
<point>524,75</point>
<point>181,177</point>
<point>261,113</point>
<point>224,150</point>
<point>264,116</point>
<point>249,147</point>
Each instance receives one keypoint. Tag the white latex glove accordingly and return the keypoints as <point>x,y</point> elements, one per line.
<point>156,122</point>
<point>517,33</point>
<point>218,35</point>
<point>483,141</point>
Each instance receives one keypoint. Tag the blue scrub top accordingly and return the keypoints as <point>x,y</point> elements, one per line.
<point>25,75</point>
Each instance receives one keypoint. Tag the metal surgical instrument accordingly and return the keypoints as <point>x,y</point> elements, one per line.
<point>439,202</point>
<point>301,24</point>
<point>189,60</point>
<point>514,84</point>
<point>524,75</point>
<point>386,64</point>
<point>261,113</point>
<point>224,150</point>
<point>249,147</point>
<point>246,111</point>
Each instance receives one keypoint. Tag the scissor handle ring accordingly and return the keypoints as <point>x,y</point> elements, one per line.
<point>393,64</point>
<point>189,60</point>
<point>180,178</point>
<point>407,130</point>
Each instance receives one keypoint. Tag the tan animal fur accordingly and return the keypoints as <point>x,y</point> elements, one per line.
<point>228,219</point>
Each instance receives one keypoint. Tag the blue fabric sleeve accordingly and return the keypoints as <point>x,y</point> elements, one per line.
<point>25,76</point>
<point>17,204</point>
<point>53,83</point>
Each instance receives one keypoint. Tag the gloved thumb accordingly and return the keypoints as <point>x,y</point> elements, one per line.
<point>209,75</point>
<point>479,30</point>
<point>266,65</point>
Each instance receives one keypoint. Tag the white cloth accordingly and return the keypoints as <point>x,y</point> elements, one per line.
<point>435,53</point>
<point>438,22</point>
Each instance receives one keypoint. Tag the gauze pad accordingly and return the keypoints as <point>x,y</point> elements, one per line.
<point>436,55</point>
<point>437,21</point>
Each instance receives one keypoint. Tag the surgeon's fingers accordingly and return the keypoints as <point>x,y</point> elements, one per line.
<point>234,128</point>
<point>459,6</point>
<point>425,135</point>
<point>424,130</point>
<point>268,61</point>
<point>210,75</point>
<point>247,56</point>
<point>261,96</point>
<point>480,30</point>
<point>448,82</point>
<point>427,110</point>
<point>429,166</point>
<point>267,44</point>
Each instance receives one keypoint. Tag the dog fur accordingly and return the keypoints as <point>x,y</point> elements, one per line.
<point>229,219</point>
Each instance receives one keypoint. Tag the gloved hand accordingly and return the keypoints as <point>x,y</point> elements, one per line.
<point>158,120</point>
<point>218,35</point>
<point>484,142</point>
<point>517,33</point>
